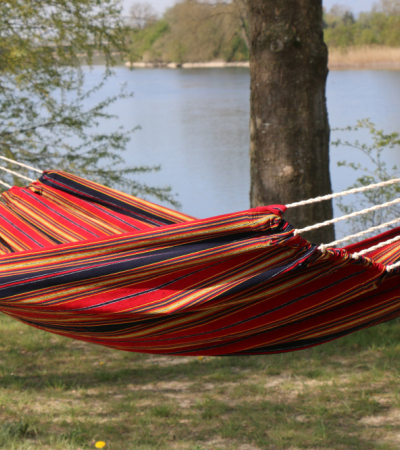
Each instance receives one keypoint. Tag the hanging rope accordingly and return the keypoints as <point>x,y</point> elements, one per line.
<point>375,247</point>
<point>20,164</point>
<point>390,267</point>
<point>343,193</point>
<point>362,233</point>
<point>5,184</point>
<point>348,216</point>
<point>16,174</point>
<point>323,247</point>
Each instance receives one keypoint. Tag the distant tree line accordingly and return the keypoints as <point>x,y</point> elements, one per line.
<point>381,26</point>
<point>192,30</point>
<point>205,30</point>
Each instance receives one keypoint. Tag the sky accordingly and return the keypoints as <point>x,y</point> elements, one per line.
<point>356,6</point>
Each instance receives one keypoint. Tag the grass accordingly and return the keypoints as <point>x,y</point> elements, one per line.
<point>56,393</point>
<point>363,57</point>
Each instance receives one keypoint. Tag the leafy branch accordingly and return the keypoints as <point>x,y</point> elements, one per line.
<point>378,171</point>
<point>45,120</point>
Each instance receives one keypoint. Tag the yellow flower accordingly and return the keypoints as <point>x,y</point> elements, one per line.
<point>101,365</point>
<point>100,444</point>
<point>200,358</point>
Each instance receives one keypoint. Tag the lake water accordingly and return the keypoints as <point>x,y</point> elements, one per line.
<point>195,124</point>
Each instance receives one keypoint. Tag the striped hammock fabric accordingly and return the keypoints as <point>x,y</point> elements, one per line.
<point>91,263</point>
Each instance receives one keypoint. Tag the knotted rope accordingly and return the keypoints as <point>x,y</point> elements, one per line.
<point>356,256</point>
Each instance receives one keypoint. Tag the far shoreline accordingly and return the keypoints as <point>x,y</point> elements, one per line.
<point>189,65</point>
<point>381,65</point>
<point>352,58</point>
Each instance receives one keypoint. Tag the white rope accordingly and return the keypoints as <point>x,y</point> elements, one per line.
<point>375,247</point>
<point>343,193</point>
<point>357,255</point>
<point>20,164</point>
<point>361,233</point>
<point>5,184</point>
<point>323,247</point>
<point>16,174</point>
<point>348,216</point>
<point>392,266</point>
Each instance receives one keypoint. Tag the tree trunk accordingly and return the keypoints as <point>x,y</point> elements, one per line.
<point>289,130</point>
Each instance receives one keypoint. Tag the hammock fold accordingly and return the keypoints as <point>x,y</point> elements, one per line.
<point>91,263</point>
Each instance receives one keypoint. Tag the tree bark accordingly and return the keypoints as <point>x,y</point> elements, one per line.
<point>289,129</point>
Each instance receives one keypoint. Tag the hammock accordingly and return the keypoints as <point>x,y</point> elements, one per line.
<point>91,263</point>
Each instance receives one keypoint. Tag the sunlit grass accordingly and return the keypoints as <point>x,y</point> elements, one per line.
<point>56,393</point>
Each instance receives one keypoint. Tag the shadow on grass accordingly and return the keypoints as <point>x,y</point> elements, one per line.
<point>39,371</point>
<point>305,399</point>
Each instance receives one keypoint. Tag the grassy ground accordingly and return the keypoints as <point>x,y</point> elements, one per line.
<point>56,393</point>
